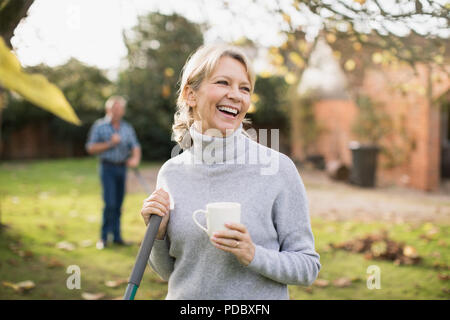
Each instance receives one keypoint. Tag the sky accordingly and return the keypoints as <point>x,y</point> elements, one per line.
<point>91,31</point>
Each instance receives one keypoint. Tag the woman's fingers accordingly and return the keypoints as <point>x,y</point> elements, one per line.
<point>235,231</point>
<point>155,197</point>
<point>236,226</point>
<point>147,211</point>
<point>230,243</point>
<point>156,204</point>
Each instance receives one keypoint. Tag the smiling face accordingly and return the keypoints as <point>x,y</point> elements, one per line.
<point>223,99</point>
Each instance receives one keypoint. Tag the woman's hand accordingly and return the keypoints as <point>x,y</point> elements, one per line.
<point>235,240</point>
<point>158,203</point>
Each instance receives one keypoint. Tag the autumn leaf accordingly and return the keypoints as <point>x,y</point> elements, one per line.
<point>33,87</point>
<point>443,277</point>
<point>86,243</point>
<point>92,296</point>
<point>342,282</point>
<point>321,283</point>
<point>20,286</point>
<point>115,283</point>
<point>409,251</point>
<point>64,245</point>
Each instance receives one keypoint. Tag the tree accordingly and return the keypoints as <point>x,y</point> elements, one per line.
<point>34,88</point>
<point>158,47</point>
<point>86,88</point>
<point>11,12</point>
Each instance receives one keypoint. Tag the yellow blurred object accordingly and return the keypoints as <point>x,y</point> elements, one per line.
<point>360,1</point>
<point>331,38</point>
<point>410,252</point>
<point>165,91</point>
<point>357,46</point>
<point>297,59</point>
<point>252,108</point>
<point>33,87</point>
<point>350,65</point>
<point>265,74</point>
<point>168,72</point>
<point>377,58</point>
<point>255,98</point>
<point>290,78</point>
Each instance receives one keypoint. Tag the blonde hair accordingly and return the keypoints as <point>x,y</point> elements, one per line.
<point>198,67</point>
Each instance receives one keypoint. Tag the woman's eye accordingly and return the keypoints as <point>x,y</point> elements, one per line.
<point>246,89</point>
<point>222,82</point>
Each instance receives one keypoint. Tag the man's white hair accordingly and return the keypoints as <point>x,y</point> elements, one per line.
<point>113,99</point>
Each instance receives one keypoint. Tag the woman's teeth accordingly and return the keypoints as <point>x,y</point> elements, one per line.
<point>228,110</point>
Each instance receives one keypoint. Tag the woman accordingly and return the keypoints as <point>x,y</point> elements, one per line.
<point>273,245</point>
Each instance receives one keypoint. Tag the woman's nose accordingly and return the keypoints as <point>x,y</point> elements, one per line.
<point>234,94</point>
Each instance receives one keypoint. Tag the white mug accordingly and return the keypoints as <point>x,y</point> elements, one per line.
<point>217,214</point>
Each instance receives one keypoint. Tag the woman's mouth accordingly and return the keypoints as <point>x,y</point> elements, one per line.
<point>228,112</point>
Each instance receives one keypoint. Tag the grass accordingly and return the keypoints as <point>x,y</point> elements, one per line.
<point>46,202</point>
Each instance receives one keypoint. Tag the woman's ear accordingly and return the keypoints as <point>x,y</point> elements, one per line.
<point>190,97</point>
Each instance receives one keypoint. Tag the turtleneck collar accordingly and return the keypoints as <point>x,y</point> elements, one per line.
<point>215,150</point>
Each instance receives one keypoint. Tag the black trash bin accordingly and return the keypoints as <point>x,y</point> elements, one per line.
<point>364,164</point>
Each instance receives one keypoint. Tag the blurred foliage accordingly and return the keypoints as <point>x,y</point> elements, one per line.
<point>85,87</point>
<point>309,128</point>
<point>158,46</point>
<point>271,108</point>
<point>372,122</point>
<point>409,32</point>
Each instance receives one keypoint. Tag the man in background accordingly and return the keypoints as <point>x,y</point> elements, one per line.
<point>114,140</point>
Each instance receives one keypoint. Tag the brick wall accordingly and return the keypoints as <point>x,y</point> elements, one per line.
<point>415,147</point>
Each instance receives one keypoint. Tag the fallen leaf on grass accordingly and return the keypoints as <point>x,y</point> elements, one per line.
<point>409,251</point>
<point>115,283</point>
<point>27,254</point>
<point>443,277</point>
<point>92,296</point>
<point>309,290</point>
<point>53,263</point>
<point>86,243</point>
<point>379,246</point>
<point>342,282</point>
<point>20,286</point>
<point>64,245</point>
<point>441,265</point>
<point>13,262</point>
<point>321,283</point>
<point>442,243</point>
<point>435,254</point>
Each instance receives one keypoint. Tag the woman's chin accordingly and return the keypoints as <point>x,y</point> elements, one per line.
<point>227,128</point>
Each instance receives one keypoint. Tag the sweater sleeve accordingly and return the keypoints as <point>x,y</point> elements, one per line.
<point>160,260</point>
<point>296,262</point>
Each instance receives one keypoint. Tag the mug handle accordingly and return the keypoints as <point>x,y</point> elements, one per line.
<point>196,222</point>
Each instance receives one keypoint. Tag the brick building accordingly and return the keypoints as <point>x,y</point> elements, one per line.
<point>416,151</point>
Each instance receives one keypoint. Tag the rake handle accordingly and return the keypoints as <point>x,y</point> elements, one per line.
<point>142,257</point>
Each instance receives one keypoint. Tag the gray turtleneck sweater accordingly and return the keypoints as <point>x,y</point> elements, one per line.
<point>274,210</point>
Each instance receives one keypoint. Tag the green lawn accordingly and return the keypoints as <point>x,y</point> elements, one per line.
<point>46,202</point>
